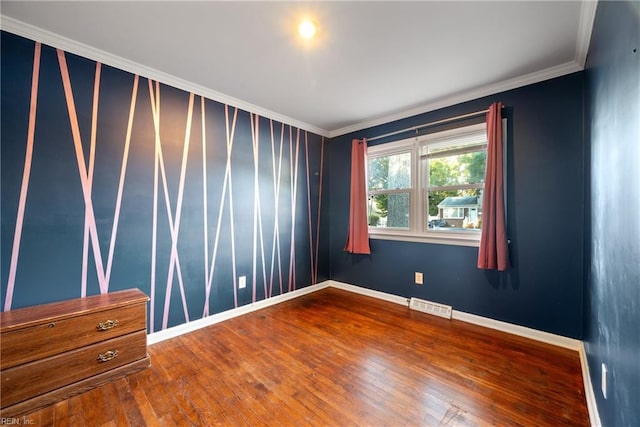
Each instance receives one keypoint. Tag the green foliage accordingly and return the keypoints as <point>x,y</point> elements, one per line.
<point>442,172</point>
<point>382,204</point>
<point>466,168</point>
<point>378,173</point>
<point>474,166</point>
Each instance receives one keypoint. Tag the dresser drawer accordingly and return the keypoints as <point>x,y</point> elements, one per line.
<point>55,337</point>
<point>24,381</point>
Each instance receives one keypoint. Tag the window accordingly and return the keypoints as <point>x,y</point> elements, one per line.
<point>390,188</point>
<point>428,188</point>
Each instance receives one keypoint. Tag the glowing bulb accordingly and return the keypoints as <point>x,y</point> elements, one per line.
<point>307,29</point>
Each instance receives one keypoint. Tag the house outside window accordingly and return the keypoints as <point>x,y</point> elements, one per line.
<point>461,211</point>
<point>428,188</point>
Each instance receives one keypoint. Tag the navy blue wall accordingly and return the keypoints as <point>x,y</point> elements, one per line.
<point>50,257</point>
<point>545,207</point>
<point>612,321</point>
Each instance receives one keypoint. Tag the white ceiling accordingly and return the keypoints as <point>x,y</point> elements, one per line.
<point>371,62</point>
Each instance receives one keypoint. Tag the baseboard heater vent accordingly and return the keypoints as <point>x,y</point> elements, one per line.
<point>431,307</point>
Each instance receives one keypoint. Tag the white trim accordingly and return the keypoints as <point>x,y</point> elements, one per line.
<point>462,238</point>
<point>546,337</point>
<point>534,334</point>
<point>549,338</point>
<point>592,406</point>
<point>585,27</point>
<point>523,331</point>
<point>69,45</point>
<point>34,33</point>
<point>405,145</point>
<point>370,292</point>
<point>184,328</point>
<point>480,92</point>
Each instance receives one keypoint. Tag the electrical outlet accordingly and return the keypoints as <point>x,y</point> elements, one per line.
<point>418,278</point>
<point>603,384</point>
<point>242,282</point>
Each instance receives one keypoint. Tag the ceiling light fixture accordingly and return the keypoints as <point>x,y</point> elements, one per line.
<point>307,29</point>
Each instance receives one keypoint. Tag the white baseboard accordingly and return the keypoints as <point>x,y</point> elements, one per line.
<point>523,331</point>
<point>592,406</point>
<point>534,334</point>
<point>184,328</point>
<point>369,292</point>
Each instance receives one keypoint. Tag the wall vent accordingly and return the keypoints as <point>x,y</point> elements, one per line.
<point>431,307</point>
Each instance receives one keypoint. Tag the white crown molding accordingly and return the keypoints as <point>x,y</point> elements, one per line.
<point>587,16</point>
<point>527,79</point>
<point>585,27</point>
<point>68,45</point>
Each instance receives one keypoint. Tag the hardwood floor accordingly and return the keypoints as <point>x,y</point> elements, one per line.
<point>334,358</point>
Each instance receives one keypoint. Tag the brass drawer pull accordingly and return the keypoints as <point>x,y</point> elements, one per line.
<point>109,355</point>
<point>107,325</point>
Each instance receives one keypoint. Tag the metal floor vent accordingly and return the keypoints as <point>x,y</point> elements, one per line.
<point>431,307</point>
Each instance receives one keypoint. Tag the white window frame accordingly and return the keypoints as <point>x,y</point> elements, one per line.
<point>417,232</point>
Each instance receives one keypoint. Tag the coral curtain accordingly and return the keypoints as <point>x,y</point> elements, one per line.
<point>494,250</point>
<point>358,236</point>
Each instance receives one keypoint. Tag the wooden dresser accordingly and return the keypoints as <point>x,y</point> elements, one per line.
<point>53,351</point>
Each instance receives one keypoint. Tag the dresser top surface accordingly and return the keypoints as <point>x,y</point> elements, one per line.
<point>29,316</point>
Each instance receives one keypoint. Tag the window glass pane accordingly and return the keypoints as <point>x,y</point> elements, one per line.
<point>455,210</point>
<point>467,168</point>
<point>389,210</point>
<point>457,142</point>
<point>389,172</point>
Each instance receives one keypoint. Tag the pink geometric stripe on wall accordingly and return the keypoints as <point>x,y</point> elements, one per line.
<point>25,177</point>
<point>209,230</point>
<point>315,271</point>
<point>82,169</point>
<point>257,210</point>
<point>293,165</point>
<point>230,136</point>
<point>174,225</point>
<point>92,156</point>
<point>276,187</point>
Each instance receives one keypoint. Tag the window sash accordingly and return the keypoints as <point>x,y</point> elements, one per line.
<point>455,152</point>
<point>455,187</point>
<point>391,221</point>
<point>392,191</point>
<point>380,154</point>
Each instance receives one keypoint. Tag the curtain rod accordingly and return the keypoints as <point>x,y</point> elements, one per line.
<point>437,122</point>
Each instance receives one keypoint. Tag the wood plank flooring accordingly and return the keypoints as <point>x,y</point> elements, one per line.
<point>334,358</point>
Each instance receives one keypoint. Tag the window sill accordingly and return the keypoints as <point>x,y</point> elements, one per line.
<point>453,238</point>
